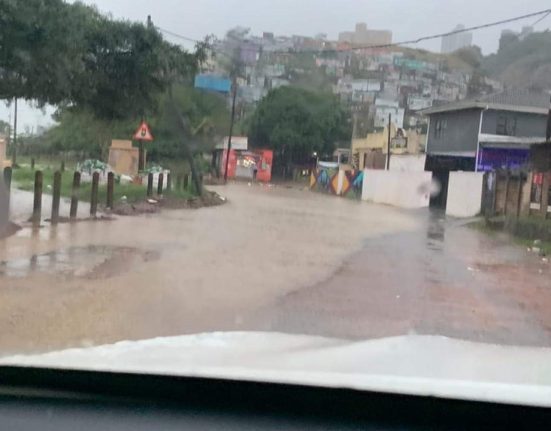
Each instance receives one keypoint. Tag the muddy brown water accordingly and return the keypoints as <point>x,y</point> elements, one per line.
<point>272,258</point>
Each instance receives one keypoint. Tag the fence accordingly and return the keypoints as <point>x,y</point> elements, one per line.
<point>164,184</point>
<point>540,194</point>
<point>506,193</point>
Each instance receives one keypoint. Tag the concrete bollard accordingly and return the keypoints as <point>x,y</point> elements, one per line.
<point>160,180</point>
<point>110,189</point>
<point>168,182</point>
<point>149,185</point>
<point>94,195</point>
<point>54,219</point>
<point>74,195</point>
<point>37,202</point>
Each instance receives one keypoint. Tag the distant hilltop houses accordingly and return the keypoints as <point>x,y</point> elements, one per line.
<point>372,79</point>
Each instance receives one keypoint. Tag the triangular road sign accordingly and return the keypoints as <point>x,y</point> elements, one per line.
<point>143,133</point>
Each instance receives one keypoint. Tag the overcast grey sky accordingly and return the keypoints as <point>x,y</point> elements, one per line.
<point>406,18</point>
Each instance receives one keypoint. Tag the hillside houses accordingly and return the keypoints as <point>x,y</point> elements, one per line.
<point>371,82</point>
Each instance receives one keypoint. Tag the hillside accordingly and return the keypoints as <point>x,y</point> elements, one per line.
<point>522,63</point>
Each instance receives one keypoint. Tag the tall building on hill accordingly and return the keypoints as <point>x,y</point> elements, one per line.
<point>453,42</point>
<point>364,36</point>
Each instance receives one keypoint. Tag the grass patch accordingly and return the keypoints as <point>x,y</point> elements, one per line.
<point>24,177</point>
<point>523,231</point>
<point>483,226</point>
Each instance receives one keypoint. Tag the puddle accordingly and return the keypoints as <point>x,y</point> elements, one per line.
<point>90,262</point>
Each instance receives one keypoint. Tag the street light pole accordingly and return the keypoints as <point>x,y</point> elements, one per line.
<point>232,119</point>
<point>548,131</point>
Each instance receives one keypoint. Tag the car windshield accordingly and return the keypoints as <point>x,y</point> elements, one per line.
<point>340,192</point>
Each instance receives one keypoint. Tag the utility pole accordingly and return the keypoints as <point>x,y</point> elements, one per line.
<point>388,144</point>
<point>548,131</point>
<point>232,119</point>
<point>14,143</point>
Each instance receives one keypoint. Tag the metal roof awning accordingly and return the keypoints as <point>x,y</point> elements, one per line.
<point>458,106</point>
<point>499,141</point>
<point>452,153</point>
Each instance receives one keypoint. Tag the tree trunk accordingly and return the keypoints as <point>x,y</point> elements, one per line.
<point>184,128</point>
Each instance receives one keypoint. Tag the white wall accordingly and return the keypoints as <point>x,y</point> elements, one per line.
<point>381,116</point>
<point>397,188</point>
<point>407,162</point>
<point>464,194</point>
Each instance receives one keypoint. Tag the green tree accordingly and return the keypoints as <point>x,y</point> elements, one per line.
<point>82,133</point>
<point>471,55</point>
<point>59,53</point>
<point>522,62</point>
<point>4,127</point>
<point>295,123</point>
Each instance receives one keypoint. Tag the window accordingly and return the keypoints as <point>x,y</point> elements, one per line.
<point>506,126</point>
<point>440,127</point>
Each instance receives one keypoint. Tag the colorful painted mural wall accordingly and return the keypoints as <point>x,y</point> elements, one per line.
<point>331,180</point>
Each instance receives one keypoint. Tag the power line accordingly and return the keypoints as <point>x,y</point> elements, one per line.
<point>189,39</point>
<point>545,13</point>
<point>541,19</point>
<point>179,36</point>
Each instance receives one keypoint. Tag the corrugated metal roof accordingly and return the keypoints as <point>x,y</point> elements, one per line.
<point>519,100</point>
<point>518,97</point>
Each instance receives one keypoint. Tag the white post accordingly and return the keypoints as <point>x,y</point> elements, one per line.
<point>478,140</point>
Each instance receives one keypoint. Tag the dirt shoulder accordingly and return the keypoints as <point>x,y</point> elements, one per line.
<point>153,205</point>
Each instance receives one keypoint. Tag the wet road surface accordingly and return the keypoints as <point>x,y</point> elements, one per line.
<point>271,259</point>
<point>442,279</point>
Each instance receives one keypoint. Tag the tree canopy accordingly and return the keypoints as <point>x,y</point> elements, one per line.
<point>69,54</point>
<point>81,132</point>
<point>295,123</point>
<point>522,62</point>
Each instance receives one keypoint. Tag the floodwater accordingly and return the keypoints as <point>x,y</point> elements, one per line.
<point>272,258</point>
<point>21,206</point>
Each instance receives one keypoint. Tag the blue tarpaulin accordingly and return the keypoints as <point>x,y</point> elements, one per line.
<point>213,83</point>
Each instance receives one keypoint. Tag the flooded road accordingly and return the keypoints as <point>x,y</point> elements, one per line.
<point>444,278</point>
<point>274,259</point>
